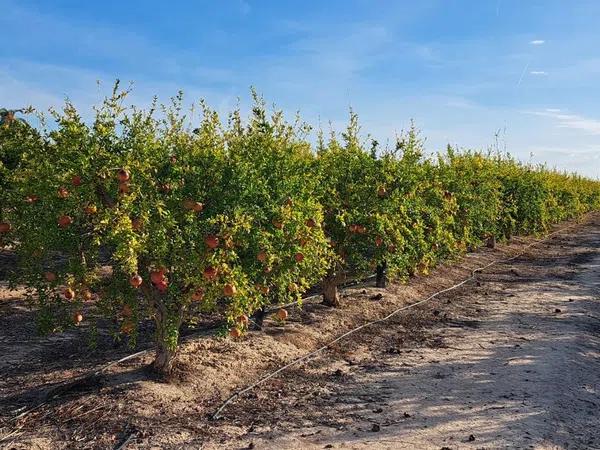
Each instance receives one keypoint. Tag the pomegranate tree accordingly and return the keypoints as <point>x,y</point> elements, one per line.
<point>139,216</point>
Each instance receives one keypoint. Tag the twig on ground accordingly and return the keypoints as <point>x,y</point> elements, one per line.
<point>453,348</point>
<point>126,441</point>
<point>85,413</point>
<point>13,433</point>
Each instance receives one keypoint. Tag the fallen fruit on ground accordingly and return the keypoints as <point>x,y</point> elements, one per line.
<point>282,314</point>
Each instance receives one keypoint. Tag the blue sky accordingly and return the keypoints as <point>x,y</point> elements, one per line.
<point>461,69</point>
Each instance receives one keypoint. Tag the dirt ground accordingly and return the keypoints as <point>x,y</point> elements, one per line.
<point>509,361</point>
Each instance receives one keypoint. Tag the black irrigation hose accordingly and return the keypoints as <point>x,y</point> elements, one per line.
<point>368,324</point>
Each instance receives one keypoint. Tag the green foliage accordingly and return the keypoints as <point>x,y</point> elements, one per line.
<point>231,217</point>
<point>16,138</point>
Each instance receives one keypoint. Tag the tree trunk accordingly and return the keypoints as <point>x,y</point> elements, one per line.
<point>331,296</point>
<point>168,323</point>
<point>166,343</point>
<point>164,361</point>
<point>258,318</point>
<point>381,278</point>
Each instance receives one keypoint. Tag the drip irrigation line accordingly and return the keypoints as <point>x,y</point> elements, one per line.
<point>309,355</point>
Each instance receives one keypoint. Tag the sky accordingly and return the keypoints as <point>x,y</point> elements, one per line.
<point>518,74</point>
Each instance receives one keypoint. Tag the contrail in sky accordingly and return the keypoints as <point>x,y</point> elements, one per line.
<point>523,74</point>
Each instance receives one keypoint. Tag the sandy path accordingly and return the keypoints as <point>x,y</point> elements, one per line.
<point>514,364</point>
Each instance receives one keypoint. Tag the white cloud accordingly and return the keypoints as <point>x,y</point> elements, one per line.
<point>538,72</point>
<point>537,42</point>
<point>572,121</point>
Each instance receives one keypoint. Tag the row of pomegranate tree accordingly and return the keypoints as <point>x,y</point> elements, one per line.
<point>140,216</point>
